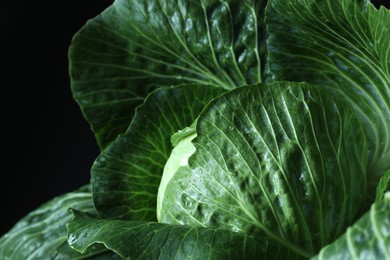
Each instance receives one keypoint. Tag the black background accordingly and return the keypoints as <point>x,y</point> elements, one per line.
<point>47,148</point>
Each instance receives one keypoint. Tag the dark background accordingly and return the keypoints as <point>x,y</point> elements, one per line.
<point>47,148</point>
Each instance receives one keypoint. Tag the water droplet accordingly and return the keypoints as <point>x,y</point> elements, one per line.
<point>301,177</point>
<point>187,201</point>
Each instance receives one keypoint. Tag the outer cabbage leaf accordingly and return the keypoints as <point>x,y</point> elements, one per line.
<point>126,176</point>
<point>343,46</point>
<point>368,238</point>
<point>150,240</point>
<point>42,233</point>
<point>136,46</point>
<point>284,160</point>
<point>383,186</point>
